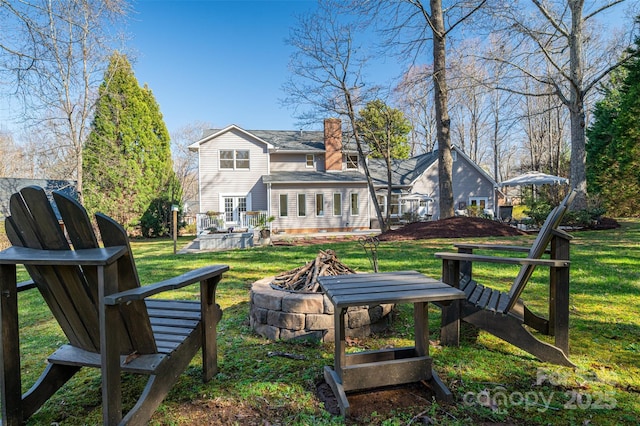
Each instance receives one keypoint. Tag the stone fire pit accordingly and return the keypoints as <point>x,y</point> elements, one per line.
<point>280,314</point>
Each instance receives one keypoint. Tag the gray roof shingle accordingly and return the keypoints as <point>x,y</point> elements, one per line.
<point>291,140</point>
<point>403,172</point>
<point>311,177</point>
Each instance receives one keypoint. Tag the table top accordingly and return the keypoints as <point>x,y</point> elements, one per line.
<point>387,287</point>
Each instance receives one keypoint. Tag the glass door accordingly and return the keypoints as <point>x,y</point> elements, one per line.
<point>234,209</point>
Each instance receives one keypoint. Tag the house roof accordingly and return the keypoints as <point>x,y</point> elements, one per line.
<point>311,141</point>
<point>9,186</point>
<point>403,172</point>
<point>290,140</point>
<point>313,177</point>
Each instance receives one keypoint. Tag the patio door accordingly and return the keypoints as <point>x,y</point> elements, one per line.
<point>235,208</point>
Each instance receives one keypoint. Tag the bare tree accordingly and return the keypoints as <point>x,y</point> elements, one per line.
<point>469,105</point>
<point>185,161</point>
<point>415,98</point>
<point>326,76</point>
<point>9,155</point>
<point>564,46</point>
<point>409,26</point>
<point>54,58</point>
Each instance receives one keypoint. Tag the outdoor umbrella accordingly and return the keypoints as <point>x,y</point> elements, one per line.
<point>534,178</point>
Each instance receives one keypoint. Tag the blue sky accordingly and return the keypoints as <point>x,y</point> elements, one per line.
<point>222,62</point>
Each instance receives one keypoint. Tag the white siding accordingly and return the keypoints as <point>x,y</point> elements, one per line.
<point>311,222</point>
<point>214,181</point>
<point>282,162</point>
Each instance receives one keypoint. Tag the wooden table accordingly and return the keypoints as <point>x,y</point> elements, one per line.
<point>372,369</point>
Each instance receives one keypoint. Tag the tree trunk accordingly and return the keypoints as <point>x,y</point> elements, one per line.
<point>384,224</point>
<point>442,114</point>
<point>578,176</point>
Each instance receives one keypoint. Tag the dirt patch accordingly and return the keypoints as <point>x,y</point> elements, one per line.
<point>308,241</point>
<point>412,398</point>
<point>453,227</point>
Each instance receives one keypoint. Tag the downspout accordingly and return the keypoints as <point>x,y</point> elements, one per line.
<point>199,181</point>
<point>269,206</point>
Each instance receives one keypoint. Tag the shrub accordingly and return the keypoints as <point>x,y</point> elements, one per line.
<point>156,220</point>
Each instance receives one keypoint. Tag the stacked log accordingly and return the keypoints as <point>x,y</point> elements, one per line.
<point>305,278</point>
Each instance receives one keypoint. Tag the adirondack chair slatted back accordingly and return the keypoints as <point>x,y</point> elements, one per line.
<point>538,248</point>
<point>33,224</point>
<point>71,292</point>
<point>136,327</point>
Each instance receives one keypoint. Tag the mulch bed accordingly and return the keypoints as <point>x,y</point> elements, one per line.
<point>453,227</point>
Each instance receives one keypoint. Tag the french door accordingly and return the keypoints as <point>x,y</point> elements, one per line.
<point>234,209</point>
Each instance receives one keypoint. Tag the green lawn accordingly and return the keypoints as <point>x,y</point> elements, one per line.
<point>604,330</point>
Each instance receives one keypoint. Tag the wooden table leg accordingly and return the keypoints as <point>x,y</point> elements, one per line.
<point>421,325</point>
<point>450,322</point>
<point>334,377</point>
<point>421,328</point>
<point>340,341</point>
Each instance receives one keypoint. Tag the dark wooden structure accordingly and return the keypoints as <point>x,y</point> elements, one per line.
<point>372,369</point>
<point>95,295</point>
<point>504,314</point>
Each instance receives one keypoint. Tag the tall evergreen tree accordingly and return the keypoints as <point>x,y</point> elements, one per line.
<point>613,151</point>
<point>127,158</point>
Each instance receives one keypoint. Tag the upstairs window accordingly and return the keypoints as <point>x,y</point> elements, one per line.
<point>352,161</point>
<point>310,161</point>
<point>234,159</point>
<point>226,159</point>
<point>242,159</point>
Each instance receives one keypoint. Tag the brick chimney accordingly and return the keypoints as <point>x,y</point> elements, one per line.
<point>333,144</point>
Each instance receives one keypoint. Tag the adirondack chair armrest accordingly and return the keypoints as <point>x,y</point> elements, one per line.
<point>465,257</point>
<point>29,256</point>
<point>26,285</point>
<point>562,234</point>
<point>180,281</point>
<point>498,247</point>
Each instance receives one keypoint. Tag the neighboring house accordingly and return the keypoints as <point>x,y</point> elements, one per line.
<point>312,181</point>
<point>9,186</point>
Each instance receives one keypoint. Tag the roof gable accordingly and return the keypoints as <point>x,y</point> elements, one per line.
<point>311,141</point>
<point>405,172</point>
<point>209,135</point>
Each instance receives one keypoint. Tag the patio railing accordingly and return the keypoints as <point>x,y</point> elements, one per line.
<point>205,222</point>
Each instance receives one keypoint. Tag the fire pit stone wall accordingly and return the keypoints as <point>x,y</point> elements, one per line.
<point>284,315</point>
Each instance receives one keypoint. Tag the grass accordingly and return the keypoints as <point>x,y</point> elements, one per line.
<point>604,332</point>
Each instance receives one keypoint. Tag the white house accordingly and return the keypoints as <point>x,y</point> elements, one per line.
<point>312,181</point>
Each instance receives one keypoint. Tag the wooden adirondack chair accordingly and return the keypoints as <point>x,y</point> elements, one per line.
<point>504,314</point>
<point>95,295</point>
